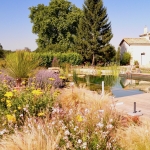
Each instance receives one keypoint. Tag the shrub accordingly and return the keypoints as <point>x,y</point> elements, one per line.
<point>47,58</point>
<point>21,65</point>
<point>136,63</point>
<point>47,78</point>
<point>15,105</point>
<point>126,58</point>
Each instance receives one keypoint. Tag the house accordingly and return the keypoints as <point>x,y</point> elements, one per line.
<point>139,48</point>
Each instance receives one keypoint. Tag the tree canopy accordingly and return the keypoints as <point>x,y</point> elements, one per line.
<point>55,24</point>
<point>94,32</point>
<point>1,51</point>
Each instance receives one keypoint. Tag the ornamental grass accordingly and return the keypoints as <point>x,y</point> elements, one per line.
<point>68,119</point>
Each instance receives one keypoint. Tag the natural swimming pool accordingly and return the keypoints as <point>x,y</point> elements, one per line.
<point>117,86</point>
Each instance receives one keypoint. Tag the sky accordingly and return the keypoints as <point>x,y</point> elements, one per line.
<point>128,19</point>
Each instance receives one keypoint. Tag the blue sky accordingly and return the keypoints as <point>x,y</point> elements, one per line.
<point>128,19</point>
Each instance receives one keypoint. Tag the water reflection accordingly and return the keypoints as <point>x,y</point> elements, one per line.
<point>94,83</point>
<point>118,86</point>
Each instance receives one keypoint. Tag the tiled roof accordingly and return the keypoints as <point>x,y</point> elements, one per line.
<point>136,41</point>
<point>144,35</point>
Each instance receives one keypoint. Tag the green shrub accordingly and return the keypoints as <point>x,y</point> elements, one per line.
<point>126,58</point>
<point>47,58</point>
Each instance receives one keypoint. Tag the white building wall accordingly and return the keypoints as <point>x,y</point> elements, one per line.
<point>124,48</point>
<point>136,51</point>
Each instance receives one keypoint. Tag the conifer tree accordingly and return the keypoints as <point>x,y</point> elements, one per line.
<point>94,32</point>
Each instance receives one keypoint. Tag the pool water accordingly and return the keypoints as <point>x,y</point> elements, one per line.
<point>117,86</point>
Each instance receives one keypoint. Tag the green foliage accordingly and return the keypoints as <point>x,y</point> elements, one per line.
<point>1,51</point>
<point>47,58</point>
<point>94,32</point>
<point>1,47</point>
<point>136,63</point>
<point>109,54</point>
<point>20,64</point>
<point>15,105</point>
<point>126,59</point>
<point>118,56</point>
<point>55,62</point>
<point>55,25</point>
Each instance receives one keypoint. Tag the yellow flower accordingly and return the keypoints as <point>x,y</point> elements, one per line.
<point>15,110</point>
<point>61,77</point>
<point>23,82</point>
<point>41,114</point>
<point>8,101</point>
<point>11,118</point>
<point>79,118</point>
<point>8,94</point>
<point>19,107</point>
<point>52,79</point>
<point>37,92</point>
<point>14,90</point>
<point>9,105</point>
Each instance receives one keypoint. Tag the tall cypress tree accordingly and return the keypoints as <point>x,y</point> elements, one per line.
<point>94,32</point>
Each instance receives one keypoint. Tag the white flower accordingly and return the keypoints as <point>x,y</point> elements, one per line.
<point>55,110</point>
<point>84,145</point>
<point>21,115</point>
<point>70,111</point>
<point>99,125</point>
<point>101,111</point>
<point>109,126</point>
<point>53,122</point>
<point>67,132</point>
<point>3,131</point>
<point>79,141</point>
<point>87,110</point>
<point>110,120</point>
<point>75,129</point>
<point>71,83</point>
<point>108,145</point>
<point>39,127</point>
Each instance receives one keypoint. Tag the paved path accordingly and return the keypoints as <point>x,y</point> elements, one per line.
<point>142,103</point>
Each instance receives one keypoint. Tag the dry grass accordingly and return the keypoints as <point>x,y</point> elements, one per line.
<point>34,136</point>
<point>85,98</point>
<point>42,135</point>
<point>135,137</point>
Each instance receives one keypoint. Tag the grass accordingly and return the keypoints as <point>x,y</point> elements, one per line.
<point>135,137</point>
<point>80,119</point>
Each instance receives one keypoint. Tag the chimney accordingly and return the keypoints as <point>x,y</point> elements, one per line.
<point>145,30</point>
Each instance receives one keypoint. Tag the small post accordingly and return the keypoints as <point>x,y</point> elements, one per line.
<point>134,108</point>
<point>103,92</point>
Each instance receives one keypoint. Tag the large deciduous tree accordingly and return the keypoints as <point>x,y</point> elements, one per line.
<point>55,25</point>
<point>94,32</point>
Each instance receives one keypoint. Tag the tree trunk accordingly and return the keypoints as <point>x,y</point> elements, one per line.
<point>93,60</point>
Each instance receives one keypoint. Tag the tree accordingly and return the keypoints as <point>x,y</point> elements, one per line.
<point>1,51</point>
<point>1,47</point>
<point>55,24</point>
<point>94,31</point>
<point>118,56</point>
<point>109,54</point>
<point>126,59</point>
